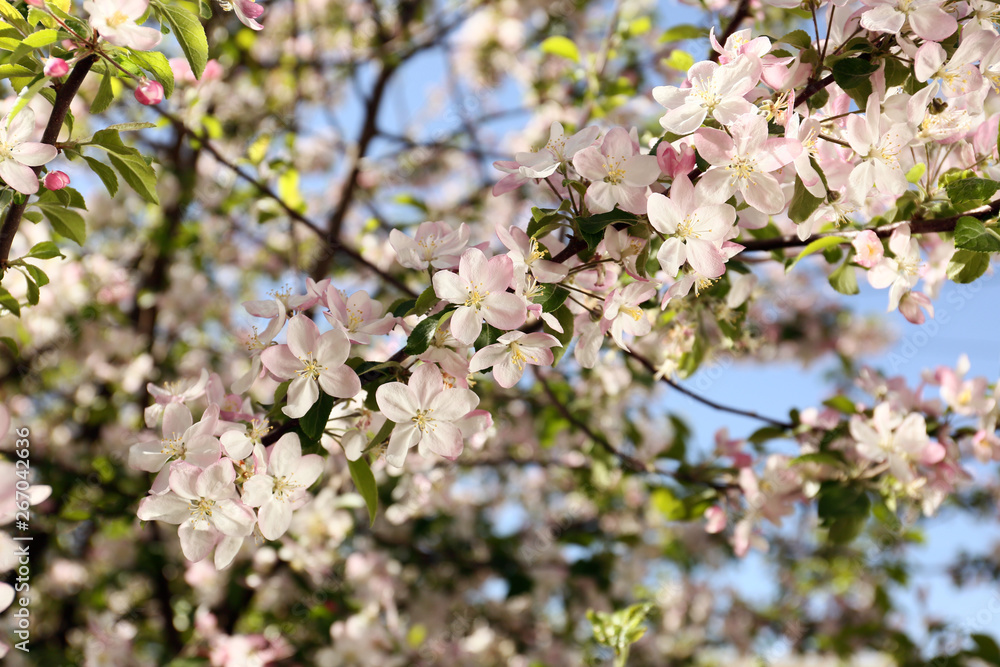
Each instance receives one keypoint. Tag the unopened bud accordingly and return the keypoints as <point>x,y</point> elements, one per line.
<point>36,3</point>
<point>149,92</point>
<point>56,67</point>
<point>55,180</point>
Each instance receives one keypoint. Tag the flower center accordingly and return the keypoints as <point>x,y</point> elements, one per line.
<point>258,429</point>
<point>117,19</point>
<point>173,446</point>
<point>201,509</point>
<point>311,368</point>
<point>615,171</point>
<point>632,311</point>
<point>742,168</point>
<point>423,420</point>
<point>476,298</point>
<point>517,357</point>
<point>283,487</point>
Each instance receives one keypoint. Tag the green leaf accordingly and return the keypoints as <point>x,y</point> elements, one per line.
<point>156,64</point>
<point>679,33</point>
<point>765,433</point>
<point>488,336</point>
<point>421,336</point>
<point>815,246</point>
<point>971,234</point>
<point>190,35</point>
<point>825,458</point>
<point>916,172</point>
<point>400,307</point>
<point>313,423</point>
<point>37,40</point>
<point>66,222</point>
<point>552,296</point>
<point>558,45</point>
<point>853,75</point>
<point>364,480</point>
<point>592,227</point>
<point>967,265</point>
<point>797,38</point>
<point>105,173</point>
<point>44,250</point>
<point>678,60</point>
<point>10,343</point>
<point>424,302</point>
<point>841,404</point>
<point>32,292</point>
<point>8,301</point>
<point>971,190</point>
<point>37,274</point>
<point>105,95</point>
<point>803,202</point>
<point>844,279</point>
<point>137,173</point>
<point>669,505</point>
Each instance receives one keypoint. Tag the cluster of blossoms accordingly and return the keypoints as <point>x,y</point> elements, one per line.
<point>740,153</point>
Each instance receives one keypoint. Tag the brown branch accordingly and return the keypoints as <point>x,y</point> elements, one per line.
<point>629,462</point>
<point>741,13</point>
<point>705,401</point>
<point>916,227</point>
<point>64,96</point>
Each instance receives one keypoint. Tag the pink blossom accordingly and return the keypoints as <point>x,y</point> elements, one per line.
<point>675,162</point>
<point>892,438</point>
<point>359,316</point>
<point>558,151</point>
<point>509,356</point>
<point>183,440</point>
<point>205,504</point>
<point>877,142</point>
<point>900,273</point>
<point>425,413</point>
<point>283,488</point>
<point>619,174</point>
<point>55,180</point>
<point>623,314</point>
<point>149,92</point>
<point>55,67</point>
<point>715,89</point>
<point>247,11</point>
<point>912,306</point>
<point>312,362</point>
<point>528,256</point>
<point>695,227</point>
<point>436,244</point>
<point>926,18</point>
<point>18,156</point>
<point>174,392</point>
<point>964,397</point>
<point>115,21</point>
<point>868,249</point>
<point>744,161</point>
<point>715,519</point>
<point>480,290</point>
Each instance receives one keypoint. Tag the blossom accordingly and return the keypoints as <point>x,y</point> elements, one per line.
<point>528,256</point>
<point>897,440</point>
<point>715,89</point>
<point>878,143</point>
<point>436,244</point>
<point>480,290</point>
<point>55,180</point>
<point>173,392</point>
<point>283,488</point>
<point>239,443</point>
<point>964,397</point>
<point>6,595</point>
<point>258,342</point>
<point>618,174</point>
<point>510,354</point>
<point>559,150</point>
<point>675,162</point>
<point>744,161</point>
<point>182,440</point>
<point>359,316</point>
<point>622,313</point>
<point>312,362</point>
<point>115,21</point>
<point>17,156</point>
<point>868,249</point>
<point>247,11</point>
<point>927,19</point>
<point>695,227</point>
<point>425,413</point>
<point>912,306</point>
<point>55,67</point>
<point>149,92</point>
<point>715,519</point>
<point>205,504</point>
<point>11,498</point>
<point>899,273</point>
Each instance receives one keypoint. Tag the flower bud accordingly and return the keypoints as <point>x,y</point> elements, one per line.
<point>36,3</point>
<point>56,67</point>
<point>55,180</point>
<point>149,92</point>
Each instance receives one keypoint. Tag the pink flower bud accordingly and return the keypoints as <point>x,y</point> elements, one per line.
<point>674,163</point>
<point>715,518</point>
<point>36,3</point>
<point>869,249</point>
<point>910,307</point>
<point>56,67</point>
<point>250,9</point>
<point>68,44</point>
<point>149,92</point>
<point>55,180</point>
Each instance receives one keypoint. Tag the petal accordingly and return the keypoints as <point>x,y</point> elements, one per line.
<point>448,286</point>
<point>216,480</point>
<point>764,194</point>
<point>19,177</point>
<point>169,508</point>
<point>466,324</point>
<point>396,401</point>
<point>507,374</point>
<point>258,490</point>
<point>400,441</point>
<point>147,456</point>
<point>302,395</point>
<point>226,551</point>
<point>279,360</point>
<point>237,445</point>
<point>671,256</point>
<point>705,258</point>
<point>196,543</point>
<point>341,382</point>
<point>333,348</point>
<point>303,335</point>
<point>715,146</point>
<point>233,518</point>
<point>34,154</point>
<point>589,163</point>
<point>184,479</point>
<point>445,440</point>
<point>488,356</point>
<point>284,456</point>
<point>641,170</point>
<point>453,404</point>
<point>504,311</point>
<point>274,518</point>
<point>309,469</point>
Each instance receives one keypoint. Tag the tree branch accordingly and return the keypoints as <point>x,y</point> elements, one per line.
<point>64,96</point>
